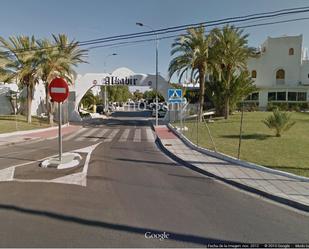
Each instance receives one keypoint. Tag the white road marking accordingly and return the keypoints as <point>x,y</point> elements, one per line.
<point>99,135</point>
<point>90,149</point>
<point>111,136</point>
<point>86,134</point>
<point>74,134</point>
<point>124,136</point>
<point>150,135</point>
<point>7,174</point>
<point>137,135</point>
<point>79,178</point>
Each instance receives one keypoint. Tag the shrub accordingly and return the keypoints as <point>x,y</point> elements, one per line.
<point>279,121</point>
<point>248,106</point>
<point>287,106</point>
<point>84,115</point>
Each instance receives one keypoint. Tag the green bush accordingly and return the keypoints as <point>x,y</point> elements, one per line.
<point>248,106</point>
<point>279,121</point>
<point>294,107</point>
<point>84,115</point>
<point>286,106</point>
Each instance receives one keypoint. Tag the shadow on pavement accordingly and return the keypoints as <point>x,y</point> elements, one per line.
<point>115,122</point>
<point>132,114</point>
<point>123,228</point>
<point>121,118</point>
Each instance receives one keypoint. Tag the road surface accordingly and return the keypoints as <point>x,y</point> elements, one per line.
<point>133,189</point>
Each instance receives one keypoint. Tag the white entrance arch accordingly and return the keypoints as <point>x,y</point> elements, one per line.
<point>121,76</point>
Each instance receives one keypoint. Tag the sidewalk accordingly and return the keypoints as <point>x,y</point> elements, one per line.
<point>31,135</point>
<point>282,187</point>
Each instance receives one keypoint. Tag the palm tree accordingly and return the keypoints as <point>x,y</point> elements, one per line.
<point>21,64</point>
<point>193,58</point>
<point>57,59</point>
<point>241,86</point>
<point>230,53</point>
<point>279,121</point>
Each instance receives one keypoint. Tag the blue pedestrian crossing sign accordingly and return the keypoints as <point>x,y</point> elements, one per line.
<point>174,96</point>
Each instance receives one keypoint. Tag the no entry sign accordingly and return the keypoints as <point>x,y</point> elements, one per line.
<point>58,90</point>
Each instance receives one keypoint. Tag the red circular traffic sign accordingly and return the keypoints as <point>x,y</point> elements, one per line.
<point>58,90</point>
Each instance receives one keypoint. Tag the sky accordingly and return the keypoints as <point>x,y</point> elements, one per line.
<point>84,20</point>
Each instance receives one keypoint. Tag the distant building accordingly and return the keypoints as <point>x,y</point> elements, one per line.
<point>6,91</point>
<point>7,104</point>
<point>280,71</point>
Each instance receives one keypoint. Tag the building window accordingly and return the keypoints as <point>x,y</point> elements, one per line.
<point>264,49</point>
<point>281,96</point>
<point>292,96</point>
<point>280,76</point>
<point>253,74</point>
<point>291,51</point>
<point>308,75</point>
<point>301,96</point>
<point>272,96</point>
<point>277,96</point>
<point>253,97</point>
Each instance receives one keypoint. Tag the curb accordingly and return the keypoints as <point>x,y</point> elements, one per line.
<point>281,200</point>
<point>16,133</point>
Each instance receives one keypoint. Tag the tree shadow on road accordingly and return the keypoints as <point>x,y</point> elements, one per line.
<point>194,239</point>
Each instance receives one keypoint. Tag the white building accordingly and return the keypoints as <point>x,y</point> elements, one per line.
<point>7,105</point>
<point>280,71</point>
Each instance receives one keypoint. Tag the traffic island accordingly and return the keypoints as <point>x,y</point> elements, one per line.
<point>52,168</point>
<point>72,169</point>
<point>68,160</point>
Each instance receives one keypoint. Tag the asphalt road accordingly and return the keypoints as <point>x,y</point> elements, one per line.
<point>133,189</point>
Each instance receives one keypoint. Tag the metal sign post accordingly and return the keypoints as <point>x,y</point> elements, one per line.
<point>59,92</point>
<point>240,129</point>
<point>181,123</point>
<point>59,131</point>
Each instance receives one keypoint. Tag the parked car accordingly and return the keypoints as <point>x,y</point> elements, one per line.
<point>162,110</point>
<point>111,108</point>
<point>100,109</point>
<point>161,113</point>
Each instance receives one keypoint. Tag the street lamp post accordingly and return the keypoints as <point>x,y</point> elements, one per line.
<point>157,55</point>
<point>105,88</point>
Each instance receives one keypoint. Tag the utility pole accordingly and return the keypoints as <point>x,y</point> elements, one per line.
<point>157,64</point>
<point>240,129</point>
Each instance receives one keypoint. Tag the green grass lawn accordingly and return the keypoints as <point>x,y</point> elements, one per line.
<point>9,123</point>
<point>259,145</point>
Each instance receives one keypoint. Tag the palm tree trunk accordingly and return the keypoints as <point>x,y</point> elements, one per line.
<point>46,98</point>
<point>51,113</point>
<point>202,94</point>
<point>29,103</point>
<point>227,107</point>
<point>49,106</point>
